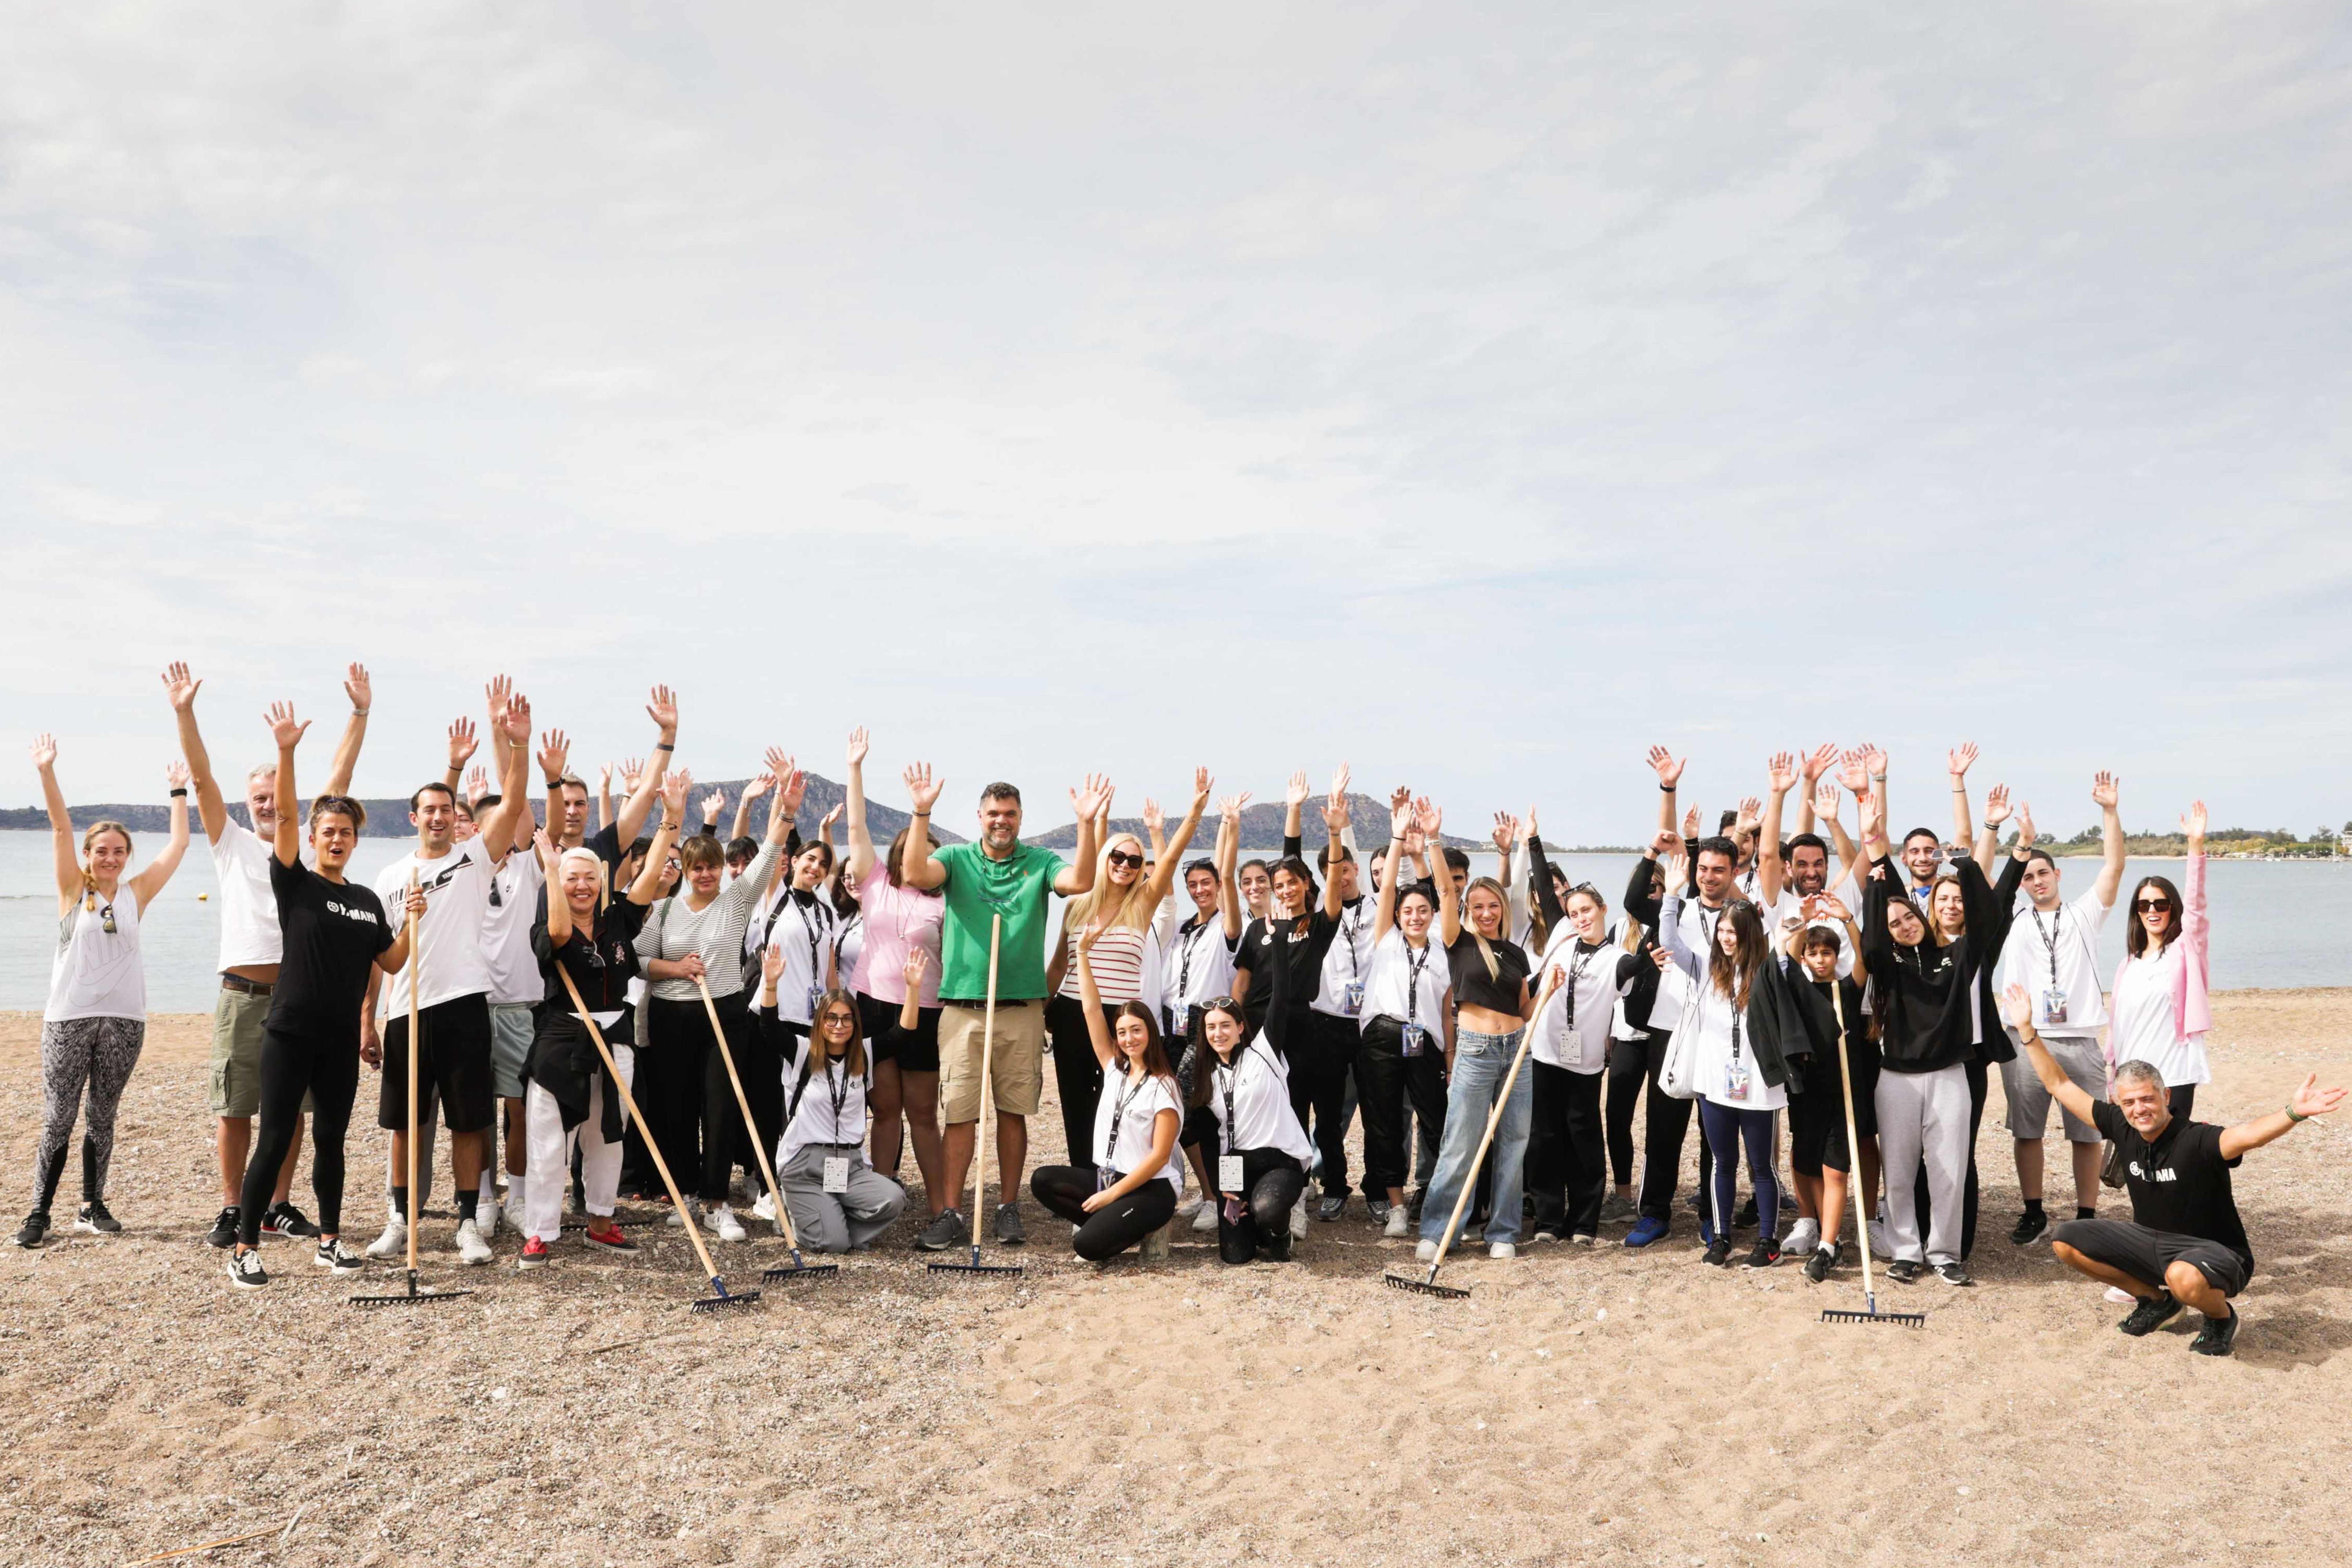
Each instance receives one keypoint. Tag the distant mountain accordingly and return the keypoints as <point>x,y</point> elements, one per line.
<point>389,818</point>
<point>1262,827</point>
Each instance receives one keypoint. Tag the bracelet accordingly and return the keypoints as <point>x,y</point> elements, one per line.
<point>2292,1118</point>
<point>1665,789</point>
<point>664,746</point>
<point>671,826</point>
<point>179,794</point>
<point>1878,778</point>
<point>359,712</point>
<point>1960,789</point>
<point>925,812</point>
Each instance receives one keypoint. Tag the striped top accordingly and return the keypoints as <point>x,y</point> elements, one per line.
<point>1116,959</point>
<point>715,931</point>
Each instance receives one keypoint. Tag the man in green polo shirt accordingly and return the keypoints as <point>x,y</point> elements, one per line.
<point>997,877</point>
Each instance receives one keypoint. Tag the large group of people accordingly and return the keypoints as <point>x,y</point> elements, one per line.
<point>792,1019</point>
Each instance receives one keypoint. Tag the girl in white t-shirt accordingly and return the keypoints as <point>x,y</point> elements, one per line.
<point>1131,1187</point>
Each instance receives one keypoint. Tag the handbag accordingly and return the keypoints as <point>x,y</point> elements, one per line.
<point>1678,1072</point>
<point>2111,1169</point>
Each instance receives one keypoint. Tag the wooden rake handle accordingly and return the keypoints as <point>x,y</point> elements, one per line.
<point>743,1104</point>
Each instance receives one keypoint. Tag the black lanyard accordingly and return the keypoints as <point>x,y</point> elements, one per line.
<point>1577,964</point>
<point>2049,937</point>
<point>1193,935</point>
<point>1348,932</point>
<point>1709,929</point>
<point>1118,1115</point>
<point>1233,1123</point>
<point>839,1095</point>
<point>1412,983</point>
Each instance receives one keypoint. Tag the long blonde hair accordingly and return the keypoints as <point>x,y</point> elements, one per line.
<point>1502,927</point>
<point>88,883</point>
<point>1134,912</point>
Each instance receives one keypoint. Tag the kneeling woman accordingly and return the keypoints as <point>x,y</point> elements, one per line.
<point>1242,1112</point>
<point>837,1200</point>
<point>1132,1188</point>
<point>590,937</point>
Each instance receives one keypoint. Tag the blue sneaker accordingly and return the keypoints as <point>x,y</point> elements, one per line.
<point>1646,1230</point>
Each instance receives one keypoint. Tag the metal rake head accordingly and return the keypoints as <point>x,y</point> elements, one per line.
<point>1902,1320</point>
<point>723,1298</point>
<point>802,1271</point>
<point>414,1297</point>
<point>1429,1286</point>
<point>976,1268</point>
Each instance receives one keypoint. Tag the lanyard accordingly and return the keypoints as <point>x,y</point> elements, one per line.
<point>2049,937</point>
<point>1347,930</point>
<point>1192,936</point>
<point>1412,983</point>
<point>837,1087</point>
<point>1118,1114</point>
<point>1577,963</point>
<point>1232,1123</point>
<point>1709,929</point>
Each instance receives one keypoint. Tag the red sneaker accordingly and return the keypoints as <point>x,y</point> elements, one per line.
<point>534,1253</point>
<point>604,1232</point>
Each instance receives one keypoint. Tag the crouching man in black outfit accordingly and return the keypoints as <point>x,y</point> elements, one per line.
<point>2184,1245</point>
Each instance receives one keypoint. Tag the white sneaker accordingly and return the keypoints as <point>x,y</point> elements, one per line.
<point>765,1208</point>
<point>1802,1238</point>
<point>1189,1208</point>
<point>392,1243</point>
<point>486,1211</point>
<point>1503,1250</point>
<point>471,1247</point>
<point>1400,1226</point>
<point>1298,1220</point>
<point>723,1221</point>
<point>676,1218</point>
<point>1426,1252</point>
<point>1206,1218</point>
<point>1882,1240</point>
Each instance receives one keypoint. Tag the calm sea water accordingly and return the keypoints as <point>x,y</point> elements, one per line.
<point>2274,924</point>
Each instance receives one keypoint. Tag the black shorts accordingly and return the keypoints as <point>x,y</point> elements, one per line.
<point>915,1050</point>
<point>2145,1254</point>
<point>455,1061</point>
<point>1811,1114</point>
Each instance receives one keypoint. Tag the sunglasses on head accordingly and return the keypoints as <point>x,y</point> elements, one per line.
<point>2161,906</point>
<point>1122,858</point>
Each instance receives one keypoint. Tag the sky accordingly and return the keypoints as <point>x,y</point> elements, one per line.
<point>1477,397</point>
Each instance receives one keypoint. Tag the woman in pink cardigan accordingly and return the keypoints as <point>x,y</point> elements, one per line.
<point>2158,1012</point>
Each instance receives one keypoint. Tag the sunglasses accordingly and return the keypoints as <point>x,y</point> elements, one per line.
<point>105,920</point>
<point>1121,857</point>
<point>2160,906</point>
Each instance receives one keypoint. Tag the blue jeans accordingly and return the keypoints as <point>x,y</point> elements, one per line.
<point>1481,1062</point>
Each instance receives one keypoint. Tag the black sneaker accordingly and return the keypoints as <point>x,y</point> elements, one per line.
<point>1008,1225</point>
<point>285,1220</point>
<point>343,1259</point>
<point>1955,1274</point>
<point>1379,1209</point>
<point>2151,1314</point>
<point>223,1230</point>
<point>1766,1252</point>
<point>1818,1267</point>
<point>35,1230</point>
<point>2029,1227</point>
<point>946,1230</point>
<point>94,1219</point>
<point>1746,1218</point>
<point>1333,1205</point>
<point>1903,1271</point>
<point>244,1269</point>
<point>1718,1252</point>
<point>2216,1337</point>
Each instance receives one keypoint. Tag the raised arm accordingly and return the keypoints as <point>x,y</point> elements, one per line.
<point>1294,810</point>
<point>1400,817</point>
<point>1779,777</point>
<point>180,688</point>
<point>673,819</point>
<point>1547,904</point>
<point>1825,811</point>
<point>920,870</point>
<point>1670,917</point>
<point>1510,854</point>
<point>861,842</point>
<point>2310,1101</point>
<point>1873,762</point>
<point>2017,1008</point>
<point>158,871</point>
<point>2107,790</point>
<point>1335,824</point>
<point>1997,810</point>
<point>1432,822</point>
<point>661,707</point>
<point>757,784</point>
<point>559,908</point>
<point>61,841</point>
<point>1229,852</point>
<point>1669,769</point>
<point>346,760</point>
<point>1165,858</point>
<point>1818,763</point>
<point>604,796</point>
<point>1640,901</point>
<point>1098,1032</point>
<point>1090,801</point>
<point>514,782</point>
<point>288,733</point>
<point>2193,924</point>
<point>1959,760</point>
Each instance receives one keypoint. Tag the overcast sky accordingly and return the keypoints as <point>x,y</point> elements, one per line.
<point>1475,395</point>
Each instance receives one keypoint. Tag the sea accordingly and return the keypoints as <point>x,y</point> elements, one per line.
<point>2275,923</point>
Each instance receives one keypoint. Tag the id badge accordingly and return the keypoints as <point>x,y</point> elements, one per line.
<point>1415,1038</point>
<point>1229,1173</point>
<point>1104,1177</point>
<point>1183,1019</point>
<point>812,994</point>
<point>837,1174</point>
<point>1353,999</point>
<point>2053,1005</point>
<point>1737,1081</point>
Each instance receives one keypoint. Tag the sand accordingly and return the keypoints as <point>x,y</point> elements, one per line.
<point>1604,1406</point>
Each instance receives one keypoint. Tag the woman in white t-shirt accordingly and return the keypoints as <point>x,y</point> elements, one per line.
<point>96,1019</point>
<point>1130,1188</point>
<point>1401,1054</point>
<point>839,1203</point>
<point>1243,1114</point>
<point>2158,1012</point>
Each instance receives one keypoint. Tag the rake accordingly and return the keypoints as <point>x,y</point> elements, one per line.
<point>1428,1285</point>
<point>1860,1229</point>
<point>976,1268</point>
<point>801,1269</point>
<point>720,1296</point>
<point>415,1047</point>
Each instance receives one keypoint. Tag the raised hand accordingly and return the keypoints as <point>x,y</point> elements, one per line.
<point>176,774</point>
<point>2193,824</point>
<point>771,964</point>
<point>1339,777</point>
<point>44,751</point>
<point>1873,808</point>
<point>1335,816</point>
<point>551,855</point>
<point>1780,772</point>
<point>857,747</point>
<point>793,784</point>
<point>604,778</point>
<point>1152,820</point>
<point>1231,807</point>
<point>920,789</point>
<point>555,757</point>
<point>1677,870</point>
<point>478,783</point>
<point>1507,833</point>
<point>462,743</point>
<point>1295,793</point>
<point>661,707</point>
<point>2105,789</point>
<point>1690,824</point>
<point>1430,819</point>
<point>917,960</point>
<point>1201,784</point>
<point>1852,773</point>
<point>357,687</point>
<point>518,722</point>
<point>1663,843</point>
<point>1996,810</point>
<point>824,824</point>
<point>1093,797</point>
<point>632,770</point>
<point>1961,758</point>
<point>280,720</point>
<point>180,687</point>
<point>496,693</point>
<point>2025,825</point>
<point>1825,800</point>
<point>674,785</point>
<point>1664,764</point>
<point>2312,1100</point>
<point>2017,1007</point>
<point>758,786</point>
<point>713,804</point>
<point>1820,761</point>
<point>1874,757</point>
<point>1751,812</point>
<point>1528,822</point>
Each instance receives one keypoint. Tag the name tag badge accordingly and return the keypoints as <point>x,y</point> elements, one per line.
<point>1184,1018</point>
<point>837,1174</point>
<point>1104,1177</point>
<point>1229,1173</point>
<point>1415,1039</point>
<point>1736,1080</point>
<point>2053,1005</point>
<point>812,994</point>
<point>1352,1000</point>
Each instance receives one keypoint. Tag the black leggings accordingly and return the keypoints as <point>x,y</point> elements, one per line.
<point>1567,1189</point>
<point>1629,1074</point>
<point>1322,1059</point>
<point>1386,1079</point>
<point>724,1144</point>
<point>670,1087</point>
<point>1113,1228</point>
<point>291,1067</point>
<point>1078,1077</point>
<point>1272,1182</point>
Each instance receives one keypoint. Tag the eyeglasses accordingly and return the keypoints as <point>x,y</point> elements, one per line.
<point>1121,857</point>
<point>2160,906</point>
<point>846,1020</point>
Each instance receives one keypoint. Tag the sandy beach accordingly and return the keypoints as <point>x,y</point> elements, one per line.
<point>1604,1406</point>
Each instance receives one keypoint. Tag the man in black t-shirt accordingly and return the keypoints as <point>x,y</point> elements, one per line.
<point>2184,1245</point>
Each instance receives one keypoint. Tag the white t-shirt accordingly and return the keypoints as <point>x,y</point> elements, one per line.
<point>1391,991</point>
<point>248,915</point>
<point>1197,965</point>
<point>804,934</point>
<point>1259,1081</point>
<point>848,945</point>
<point>1347,959</point>
<point>2143,1027</point>
<point>1699,923</point>
<point>513,907</point>
<point>1596,990</point>
<point>1845,890</point>
<point>456,905</point>
<point>1143,1102</point>
<point>2068,938</point>
<point>816,1120</point>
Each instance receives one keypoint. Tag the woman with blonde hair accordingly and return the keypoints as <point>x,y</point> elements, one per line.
<point>1117,912</point>
<point>96,1019</point>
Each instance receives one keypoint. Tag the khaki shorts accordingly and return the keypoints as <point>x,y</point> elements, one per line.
<point>511,1031</point>
<point>1016,1061</point>
<point>2028,1103</point>
<point>237,1018</point>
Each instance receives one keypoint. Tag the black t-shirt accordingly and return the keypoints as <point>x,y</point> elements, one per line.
<point>2181,1183</point>
<point>1303,948</point>
<point>333,932</point>
<point>1473,986</point>
<point>601,966</point>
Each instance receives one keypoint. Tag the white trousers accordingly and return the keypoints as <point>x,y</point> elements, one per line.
<point>1923,1116</point>
<point>549,1155</point>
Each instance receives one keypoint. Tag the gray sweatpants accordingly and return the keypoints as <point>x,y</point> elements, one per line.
<point>836,1222</point>
<point>1925,1115</point>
